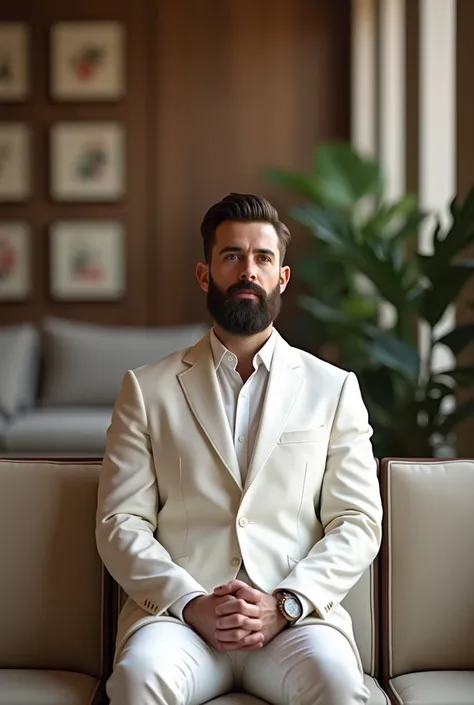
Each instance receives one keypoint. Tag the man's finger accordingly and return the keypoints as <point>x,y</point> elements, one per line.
<point>229,588</point>
<point>238,606</point>
<point>249,594</point>
<point>238,621</point>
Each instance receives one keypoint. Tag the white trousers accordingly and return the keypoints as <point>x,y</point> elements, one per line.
<point>167,663</point>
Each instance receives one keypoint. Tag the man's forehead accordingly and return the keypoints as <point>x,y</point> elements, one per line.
<point>248,235</point>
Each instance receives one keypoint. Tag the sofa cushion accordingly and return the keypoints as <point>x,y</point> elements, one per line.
<point>53,588</point>
<point>24,687</point>
<point>58,431</point>
<point>19,354</point>
<point>84,363</point>
<point>434,688</point>
<point>428,567</point>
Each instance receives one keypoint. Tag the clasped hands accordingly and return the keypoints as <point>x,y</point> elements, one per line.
<point>235,617</point>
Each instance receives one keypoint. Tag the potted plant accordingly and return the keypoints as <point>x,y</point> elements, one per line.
<point>369,291</point>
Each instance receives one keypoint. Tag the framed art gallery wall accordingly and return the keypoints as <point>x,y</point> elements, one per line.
<point>97,270</point>
<point>212,93</point>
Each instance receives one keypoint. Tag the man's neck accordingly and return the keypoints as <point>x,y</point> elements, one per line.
<point>244,347</point>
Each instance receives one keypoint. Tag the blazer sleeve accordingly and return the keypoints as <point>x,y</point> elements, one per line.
<point>127,512</point>
<point>350,510</point>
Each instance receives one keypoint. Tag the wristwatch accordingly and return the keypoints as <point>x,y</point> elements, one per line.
<point>289,606</point>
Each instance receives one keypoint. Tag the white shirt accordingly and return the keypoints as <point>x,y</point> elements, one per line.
<point>243,402</point>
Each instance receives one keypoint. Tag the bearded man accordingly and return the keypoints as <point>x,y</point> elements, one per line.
<point>238,500</point>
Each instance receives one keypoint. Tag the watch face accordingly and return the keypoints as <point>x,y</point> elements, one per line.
<point>292,608</point>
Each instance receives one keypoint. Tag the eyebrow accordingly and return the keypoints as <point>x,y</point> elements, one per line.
<point>260,251</point>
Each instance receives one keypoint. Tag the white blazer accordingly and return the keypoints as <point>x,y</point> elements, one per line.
<point>173,516</point>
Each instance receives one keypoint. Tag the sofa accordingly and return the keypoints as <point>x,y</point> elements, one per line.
<point>59,380</point>
<point>413,609</point>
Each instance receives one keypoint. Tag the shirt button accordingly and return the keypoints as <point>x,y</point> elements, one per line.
<point>242,439</point>
<point>230,358</point>
<point>243,521</point>
<point>235,561</point>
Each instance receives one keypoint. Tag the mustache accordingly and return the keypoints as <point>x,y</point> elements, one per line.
<point>246,286</point>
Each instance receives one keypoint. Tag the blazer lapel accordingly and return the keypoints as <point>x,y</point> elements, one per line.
<point>284,384</point>
<point>200,386</point>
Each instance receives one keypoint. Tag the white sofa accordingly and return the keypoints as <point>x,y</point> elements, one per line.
<point>413,611</point>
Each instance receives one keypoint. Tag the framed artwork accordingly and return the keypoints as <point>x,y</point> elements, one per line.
<point>14,61</point>
<point>15,275</point>
<point>87,260</point>
<point>87,161</point>
<point>15,166</point>
<point>87,61</point>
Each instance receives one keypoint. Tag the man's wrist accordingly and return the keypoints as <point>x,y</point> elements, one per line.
<point>190,607</point>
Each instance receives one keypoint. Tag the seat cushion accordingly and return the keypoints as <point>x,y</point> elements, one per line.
<point>54,591</point>
<point>434,688</point>
<point>58,431</point>
<point>25,687</point>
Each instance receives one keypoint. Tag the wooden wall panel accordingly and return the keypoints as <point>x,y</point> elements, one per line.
<point>240,85</point>
<point>215,92</point>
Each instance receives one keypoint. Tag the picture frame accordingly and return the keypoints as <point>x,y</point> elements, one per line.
<point>88,61</point>
<point>87,162</point>
<point>15,261</point>
<point>14,62</point>
<point>87,260</point>
<point>15,161</point>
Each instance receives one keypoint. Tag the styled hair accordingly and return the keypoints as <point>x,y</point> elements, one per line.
<point>244,208</point>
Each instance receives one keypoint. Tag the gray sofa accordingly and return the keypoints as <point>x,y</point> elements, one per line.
<point>59,381</point>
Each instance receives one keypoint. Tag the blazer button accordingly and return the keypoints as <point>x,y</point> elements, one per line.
<point>243,521</point>
<point>235,561</point>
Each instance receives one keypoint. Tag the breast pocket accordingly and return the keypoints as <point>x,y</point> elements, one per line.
<point>309,436</point>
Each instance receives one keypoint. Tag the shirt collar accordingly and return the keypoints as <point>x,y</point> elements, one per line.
<point>222,355</point>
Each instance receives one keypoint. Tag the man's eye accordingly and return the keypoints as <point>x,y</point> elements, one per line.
<point>234,256</point>
<point>264,258</point>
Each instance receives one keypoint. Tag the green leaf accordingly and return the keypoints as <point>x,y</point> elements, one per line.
<point>377,385</point>
<point>343,176</point>
<point>445,292</point>
<point>332,227</point>
<point>301,183</point>
<point>459,236</point>
<point>459,338</point>
<point>323,312</point>
<point>397,355</point>
<point>399,220</point>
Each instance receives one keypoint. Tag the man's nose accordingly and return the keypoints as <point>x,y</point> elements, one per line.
<point>248,271</point>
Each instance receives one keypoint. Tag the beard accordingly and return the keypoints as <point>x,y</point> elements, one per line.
<point>243,316</point>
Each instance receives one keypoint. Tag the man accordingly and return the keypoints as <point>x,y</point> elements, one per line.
<point>238,500</point>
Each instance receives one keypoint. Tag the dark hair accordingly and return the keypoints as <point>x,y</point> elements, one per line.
<point>244,208</point>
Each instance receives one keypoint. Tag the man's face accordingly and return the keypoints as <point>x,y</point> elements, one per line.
<point>244,280</point>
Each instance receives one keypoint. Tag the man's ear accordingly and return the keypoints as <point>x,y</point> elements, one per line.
<point>202,275</point>
<point>285,274</point>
